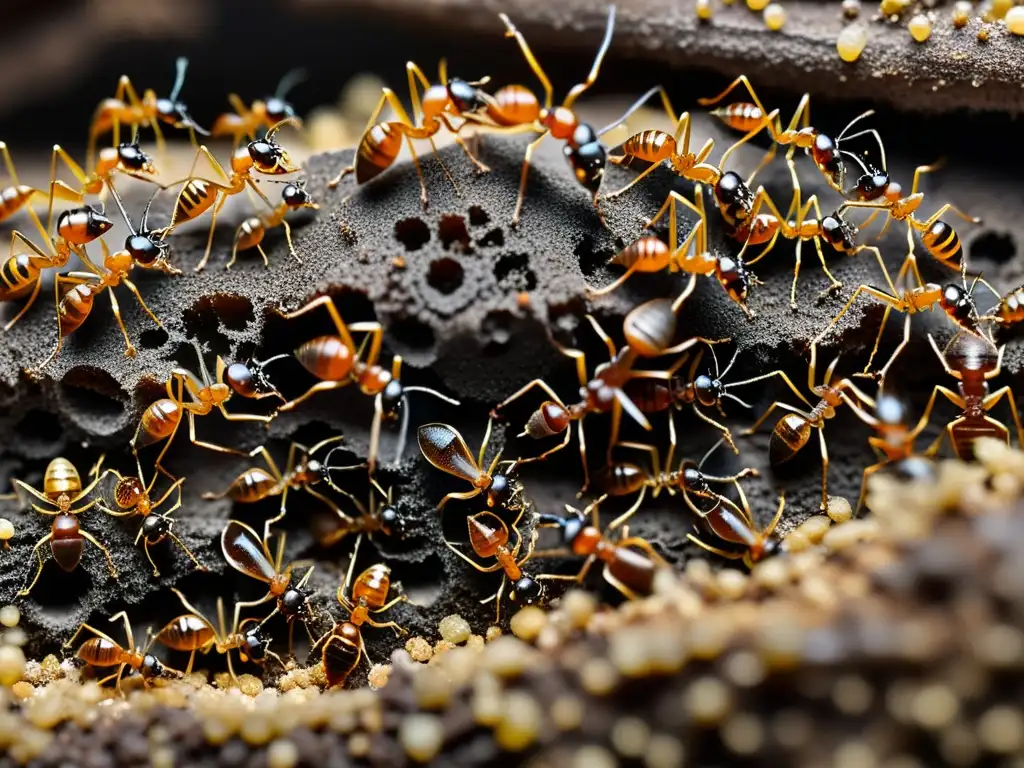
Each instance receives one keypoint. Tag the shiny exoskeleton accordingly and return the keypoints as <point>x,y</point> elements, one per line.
<point>973,360</point>
<point>246,121</point>
<point>336,362</point>
<point>444,447</point>
<point>343,644</point>
<point>126,158</point>
<point>128,110</point>
<point>733,523</point>
<point>1009,311</point>
<point>251,231</point>
<point>103,651</point>
<point>377,517</point>
<point>489,538</point>
<point>15,196</point>
<point>62,490</point>
<point>630,564</point>
<point>193,633</point>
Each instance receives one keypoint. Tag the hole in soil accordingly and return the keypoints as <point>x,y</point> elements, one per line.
<point>92,392</point>
<point>998,247</point>
<point>445,275</point>
<point>421,581</point>
<point>63,592</point>
<point>452,231</point>
<point>154,338</point>
<point>412,233</point>
<point>413,334</point>
<point>590,259</point>
<point>39,427</point>
<point>514,270</point>
<point>478,216</point>
<point>496,237</point>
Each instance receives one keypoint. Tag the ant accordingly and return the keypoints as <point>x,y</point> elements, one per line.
<point>735,524</point>
<point>973,361</point>
<point>583,149</point>
<point>377,517</point>
<point>793,431</point>
<point>133,497</point>
<point>16,195</point>
<point>1009,311</point>
<point>631,572</point>
<point>650,254</point>
<point>343,644</point>
<point>301,472</point>
<point>76,227</point>
<point>654,395</point>
<point>150,111</point>
<point>489,537</point>
<point>103,651</point>
<point>247,553</point>
<point>894,442</point>
<point>126,158</point>
<point>76,304</point>
<point>62,489</point>
<point>160,421</point>
<point>250,233</point>
<point>648,329</point>
<point>954,300</point>
<point>382,141</point>
<point>199,195</point>
<point>444,447</point>
<point>335,360</point>
<point>264,113</point>
<point>824,151</point>
<point>624,478</point>
<point>875,191</point>
<point>193,632</point>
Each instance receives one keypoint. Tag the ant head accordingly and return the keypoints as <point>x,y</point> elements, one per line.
<point>502,489</point>
<point>173,112</point>
<point>128,492</point>
<point>134,158</point>
<point>464,96</point>
<point>154,528</point>
<point>550,419</point>
<point>587,157</point>
<point>245,380</point>
<point>873,185</point>
<point>295,195</point>
<point>694,480</point>
<point>392,522</point>
<point>526,590</point>
<point>838,232</point>
<point>958,303</point>
<point>278,109</point>
<point>709,391</point>
<point>293,601</point>
<point>151,667</point>
<point>268,156</point>
<point>254,644</point>
<point>391,398</point>
<point>144,249</point>
<point>572,525</point>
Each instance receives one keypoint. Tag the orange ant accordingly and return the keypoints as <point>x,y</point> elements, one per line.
<point>76,227</point>
<point>264,113</point>
<point>376,518</point>
<point>793,431</point>
<point>76,304</point>
<point>103,651</point>
<point>133,497</point>
<point>734,524</point>
<point>247,553</point>
<point>973,361</point>
<point>650,254</point>
<point>343,644</point>
<point>160,421</point>
<point>382,141</point>
<point>649,330</point>
<point>954,300</point>
<point>445,448</point>
<point>1009,311</point>
<point>193,632</point>
<point>16,195</point>
<point>335,360</point>
<point>489,537</point>
<point>823,150</point>
<point>631,572</point>
<point>624,478</point>
<point>250,233</point>
<point>126,158</point>
<point>150,111</point>
<point>199,195</point>
<point>62,489</point>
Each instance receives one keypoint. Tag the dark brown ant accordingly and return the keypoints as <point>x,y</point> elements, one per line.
<point>793,431</point>
<point>335,360</point>
<point>343,644</point>
<point>248,554</point>
<point>150,111</point>
<point>630,571</point>
<point>376,517</point>
<point>103,651</point>
<point>192,632</point>
<point>382,141</point>
<point>263,113</point>
<point>444,447</point>
<point>250,233</point>
<point>133,497</point>
<point>489,537</point>
<point>973,361</point>
<point>62,489</point>
<point>734,524</point>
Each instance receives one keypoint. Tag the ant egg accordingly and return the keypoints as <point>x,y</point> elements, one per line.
<point>1015,20</point>
<point>757,5</point>
<point>851,43</point>
<point>920,28</point>
<point>1000,8</point>
<point>962,14</point>
<point>704,10</point>
<point>6,532</point>
<point>851,8</point>
<point>774,17</point>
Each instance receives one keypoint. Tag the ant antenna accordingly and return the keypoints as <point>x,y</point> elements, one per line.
<point>728,368</point>
<point>120,205</point>
<point>277,126</point>
<point>291,78</point>
<point>596,67</point>
<point>710,450</point>
<point>182,66</point>
<point>715,358</point>
<point>878,139</point>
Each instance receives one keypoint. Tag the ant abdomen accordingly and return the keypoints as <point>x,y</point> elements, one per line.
<point>550,419</point>
<point>791,434</point>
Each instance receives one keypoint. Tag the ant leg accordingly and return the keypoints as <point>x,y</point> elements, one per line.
<point>524,175</point>
<point>328,303</point>
<point>609,344</point>
<point>933,449</point>
<point>74,278</point>
<point>953,397</point>
<point>748,136</point>
<point>322,386</point>
<point>782,375</point>
<point>824,469</point>
<point>523,390</point>
<point>864,485</point>
<point>714,550</point>
<point>577,90</point>
<point>463,496</point>
<point>468,559</point>
<point>399,630</point>
<point>741,80</point>
<point>990,402</point>
<point>130,350</point>
<point>620,160</point>
<point>27,305</point>
<point>578,578</point>
<point>890,302</point>
<point>288,239</point>
<point>531,60</point>
<point>899,347</point>
<point>949,207</point>
<point>106,552</point>
<point>187,551</point>
<point>209,239</point>
<point>38,552</point>
<point>726,432</point>
<point>771,409</point>
<point>204,444</point>
<point>920,171</point>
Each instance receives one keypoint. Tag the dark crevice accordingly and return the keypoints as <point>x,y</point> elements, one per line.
<point>453,233</point>
<point>445,275</point>
<point>514,271</point>
<point>997,247</point>
<point>412,233</point>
